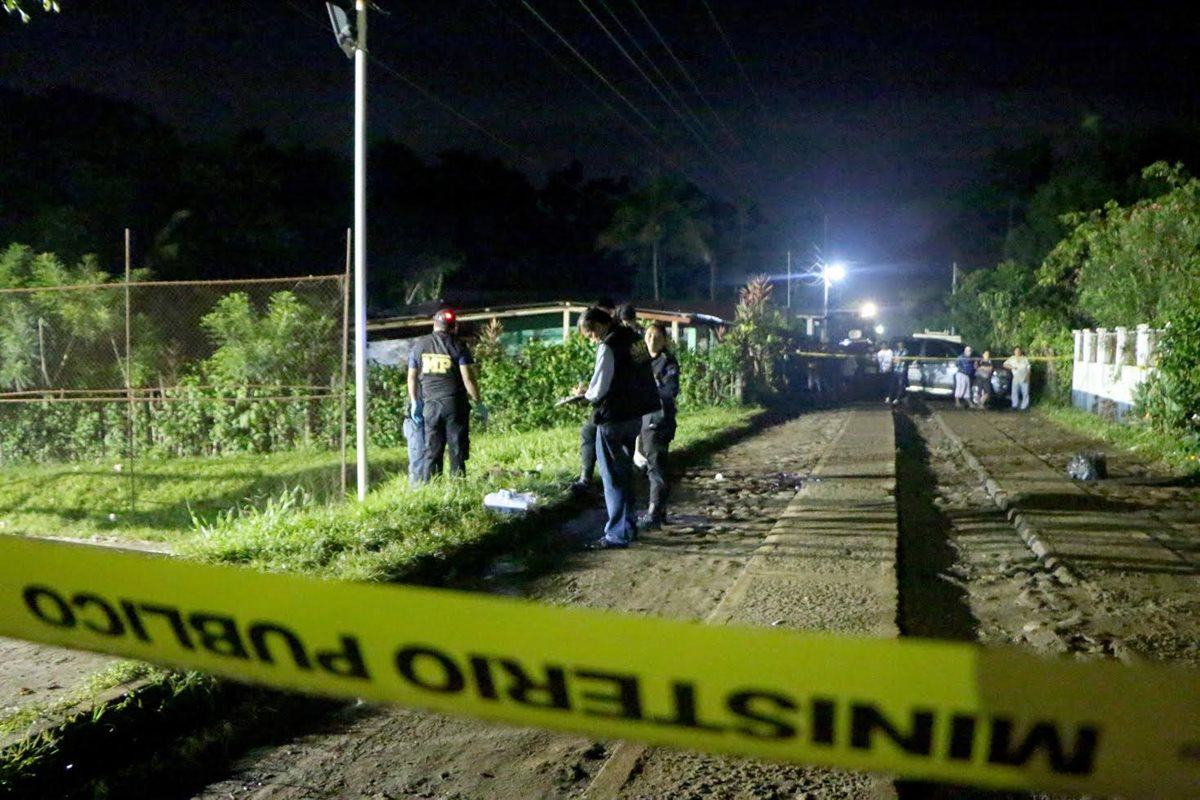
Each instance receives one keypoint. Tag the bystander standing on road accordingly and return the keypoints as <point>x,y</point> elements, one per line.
<point>658,427</point>
<point>983,379</point>
<point>884,357</point>
<point>965,365</point>
<point>849,376</point>
<point>899,376</point>
<point>442,375</point>
<point>621,391</point>
<point>1018,365</point>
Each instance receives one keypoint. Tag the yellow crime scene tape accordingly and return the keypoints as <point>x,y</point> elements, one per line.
<point>919,359</point>
<point>918,709</point>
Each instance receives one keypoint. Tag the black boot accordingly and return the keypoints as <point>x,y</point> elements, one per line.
<point>655,518</point>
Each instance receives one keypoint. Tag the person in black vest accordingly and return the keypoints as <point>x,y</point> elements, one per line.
<point>441,376</point>
<point>658,427</point>
<point>621,391</point>
<point>587,433</point>
<point>626,315</point>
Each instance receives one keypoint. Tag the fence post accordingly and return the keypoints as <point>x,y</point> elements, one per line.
<point>345,351</point>
<point>1089,346</point>
<point>129,384</point>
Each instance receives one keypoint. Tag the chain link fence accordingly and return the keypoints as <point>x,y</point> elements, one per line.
<point>125,373</point>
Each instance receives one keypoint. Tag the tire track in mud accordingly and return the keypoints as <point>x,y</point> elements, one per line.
<point>827,564</point>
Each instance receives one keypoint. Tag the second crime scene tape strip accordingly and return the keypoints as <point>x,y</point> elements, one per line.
<point>918,709</point>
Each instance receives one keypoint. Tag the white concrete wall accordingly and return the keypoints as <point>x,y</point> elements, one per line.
<point>1110,363</point>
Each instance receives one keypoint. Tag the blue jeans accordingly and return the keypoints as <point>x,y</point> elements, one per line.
<point>614,455</point>
<point>1020,395</point>
<point>414,434</point>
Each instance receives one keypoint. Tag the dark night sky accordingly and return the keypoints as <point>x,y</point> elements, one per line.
<point>877,113</point>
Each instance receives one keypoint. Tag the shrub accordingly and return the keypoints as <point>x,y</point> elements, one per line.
<point>1170,399</point>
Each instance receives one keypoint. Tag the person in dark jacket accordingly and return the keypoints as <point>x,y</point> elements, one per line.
<point>626,315</point>
<point>658,427</point>
<point>441,377</point>
<point>587,432</point>
<point>965,364</point>
<point>622,390</point>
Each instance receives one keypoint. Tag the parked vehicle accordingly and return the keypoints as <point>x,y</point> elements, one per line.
<point>932,370</point>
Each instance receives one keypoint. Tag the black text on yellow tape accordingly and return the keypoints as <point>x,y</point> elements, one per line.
<point>914,708</point>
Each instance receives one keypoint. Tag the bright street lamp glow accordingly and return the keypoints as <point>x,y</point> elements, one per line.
<point>834,272</point>
<point>867,310</point>
<point>879,330</point>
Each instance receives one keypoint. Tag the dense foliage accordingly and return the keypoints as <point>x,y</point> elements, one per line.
<point>1118,265</point>
<point>1170,399</point>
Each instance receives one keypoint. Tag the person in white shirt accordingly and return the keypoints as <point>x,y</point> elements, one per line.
<point>884,358</point>
<point>1018,365</point>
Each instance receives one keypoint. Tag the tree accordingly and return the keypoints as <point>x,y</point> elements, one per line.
<point>663,217</point>
<point>1138,263</point>
<point>53,336</point>
<point>289,344</point>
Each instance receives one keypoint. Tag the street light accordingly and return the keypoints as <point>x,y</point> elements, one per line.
<point>879,330</point>
<point>830,274</point>
<point>868,310</point>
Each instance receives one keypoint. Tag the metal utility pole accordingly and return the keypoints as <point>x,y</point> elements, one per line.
<point>360,246</point>
<point>356,46</point>
<point>789,279</point>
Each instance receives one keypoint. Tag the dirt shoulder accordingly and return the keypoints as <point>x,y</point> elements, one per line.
<point>1131,542</point>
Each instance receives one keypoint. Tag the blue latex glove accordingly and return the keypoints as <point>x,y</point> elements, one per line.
<point>482,412</point>
<point>418,412</point>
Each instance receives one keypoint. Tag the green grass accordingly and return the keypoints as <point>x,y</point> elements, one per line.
<point>283,512</point>
<point>1174,453</point>
<point>397,525</point>
<point>84,500</point>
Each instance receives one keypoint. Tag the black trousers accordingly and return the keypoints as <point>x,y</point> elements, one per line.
<point>657,433</point>
<point>587,451</point>
<point>447,422</point>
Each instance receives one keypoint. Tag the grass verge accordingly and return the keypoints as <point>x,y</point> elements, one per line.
<point>398,526</point>
<point>1175,454</point>
<point>159,499</point>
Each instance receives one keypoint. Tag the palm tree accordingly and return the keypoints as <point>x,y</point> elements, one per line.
<point>664,216</point>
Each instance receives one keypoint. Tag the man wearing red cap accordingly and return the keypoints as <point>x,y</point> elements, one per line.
<point>441,376</point>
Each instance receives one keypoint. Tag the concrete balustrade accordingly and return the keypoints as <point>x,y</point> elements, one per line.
<point>1108,366</point>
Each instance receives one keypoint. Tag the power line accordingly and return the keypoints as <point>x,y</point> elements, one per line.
<point>596,95</point>
<point>729,46</point>
<point>640,71</point>
<point>430,96</point>
<point>684,71</point>
<point>590,67</point>
<point>716,158</point>
<point>679,98</point>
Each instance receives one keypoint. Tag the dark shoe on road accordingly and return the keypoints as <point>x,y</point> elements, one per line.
<point>649,523</point>
<point>606,544</point>
<point>578,488</point>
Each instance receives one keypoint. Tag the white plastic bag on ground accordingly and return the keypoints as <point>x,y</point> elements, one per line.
<point>511,502</point>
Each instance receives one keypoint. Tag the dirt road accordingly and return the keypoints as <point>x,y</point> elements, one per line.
<point>859,520</point>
